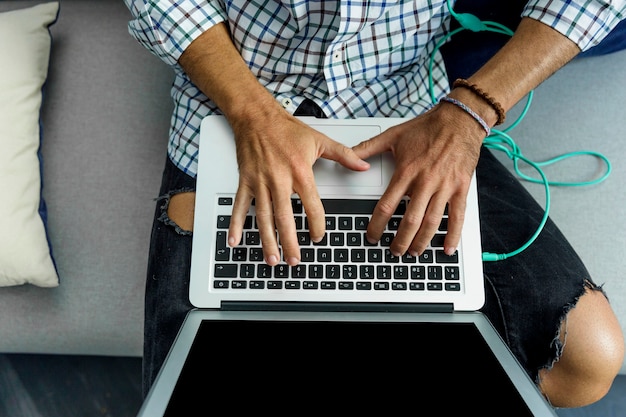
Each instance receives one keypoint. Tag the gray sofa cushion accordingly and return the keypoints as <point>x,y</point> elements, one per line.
<point>105,121</point>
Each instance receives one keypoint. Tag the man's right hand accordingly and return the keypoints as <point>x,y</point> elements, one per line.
<point>276,153</point>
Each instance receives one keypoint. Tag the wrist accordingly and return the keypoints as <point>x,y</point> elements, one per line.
<point>479,105</point>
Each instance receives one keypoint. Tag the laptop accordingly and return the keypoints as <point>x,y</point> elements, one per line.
<point>342,273</point>
<point>355,329</point>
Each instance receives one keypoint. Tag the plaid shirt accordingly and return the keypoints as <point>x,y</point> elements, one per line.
<point>353,58</point>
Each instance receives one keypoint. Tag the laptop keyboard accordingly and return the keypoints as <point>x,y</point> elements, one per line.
<point>343,260</point>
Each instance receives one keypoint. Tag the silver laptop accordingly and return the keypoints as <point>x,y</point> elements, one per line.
<point>354,331</point>
<point>344,270</point>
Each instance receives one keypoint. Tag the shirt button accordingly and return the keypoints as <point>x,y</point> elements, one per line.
<point>337,55</point>
<point>286,102</point>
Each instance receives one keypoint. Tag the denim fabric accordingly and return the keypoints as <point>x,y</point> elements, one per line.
<point>167,282</point>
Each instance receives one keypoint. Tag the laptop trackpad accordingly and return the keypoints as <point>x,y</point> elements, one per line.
<point>331,173</point>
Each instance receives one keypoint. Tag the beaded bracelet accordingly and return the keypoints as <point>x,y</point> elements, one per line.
<point>468,111</point>
<point>460,82</point>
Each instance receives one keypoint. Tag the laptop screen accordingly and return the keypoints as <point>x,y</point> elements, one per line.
<point>321,366</point>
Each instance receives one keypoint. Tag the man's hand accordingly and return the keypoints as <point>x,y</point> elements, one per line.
<point>276,156</point>
<point>435,155</point>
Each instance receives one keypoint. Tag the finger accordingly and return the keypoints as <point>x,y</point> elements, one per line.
<point>383,211</point>
<point>456,218</point>
<point>314,210</point>
<point>374,146</point>
<point>344,155</point>
<point>286,225</point>
<point>430,223</point>
<point>265,224</point>
<point>241,206</point>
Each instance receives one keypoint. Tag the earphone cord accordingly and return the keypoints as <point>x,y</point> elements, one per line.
<point>501,141</point>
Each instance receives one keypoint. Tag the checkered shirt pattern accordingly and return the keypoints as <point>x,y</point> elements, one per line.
<point>353,58</point>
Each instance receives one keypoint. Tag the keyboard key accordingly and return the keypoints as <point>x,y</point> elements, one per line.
<point>298,271</point>
<point>221,284</point>
<point>366,272</point>
<point>442,258</point>
<point>340,255</point>
<point>418,272</point>
<point>374,255</point>
<point>328,285</point>
<point>223,222</point>
<point>337,239</point>
<point>257,285</point>
<point>383,272</point>
<point>357,255</point>
<point>349,272</point>
<point>361,223</point>
<point>434,273</point>
<point>333,272</point>
<point>239,285</point>
<point>256,255</point>
<point>246,271</point>
<point>401,272</point>
<point>346,285</point>
<point>363,285</point>
<point>353,239</point>
<point>310,285</point>
<point>344,223</point>
<point>274,285</point>
<point>451,273</point>
<point>324,255</point>
<point>225,270</point>
<point>264,271</point>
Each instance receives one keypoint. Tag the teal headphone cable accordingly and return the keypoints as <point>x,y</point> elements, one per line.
<point>500,140</point>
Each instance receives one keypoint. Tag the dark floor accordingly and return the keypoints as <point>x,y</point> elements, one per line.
<point>69,386</point>
<point>88,386</point>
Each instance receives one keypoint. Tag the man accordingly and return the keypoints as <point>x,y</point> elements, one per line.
<point>261,62</point>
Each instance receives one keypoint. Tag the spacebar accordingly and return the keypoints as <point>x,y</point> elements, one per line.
<point>350,206</point>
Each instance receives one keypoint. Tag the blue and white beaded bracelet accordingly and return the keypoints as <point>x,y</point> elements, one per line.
<point>468,111</point>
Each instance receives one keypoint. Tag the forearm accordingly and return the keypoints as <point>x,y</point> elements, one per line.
<point>534,53</point>
<point>215,66</point>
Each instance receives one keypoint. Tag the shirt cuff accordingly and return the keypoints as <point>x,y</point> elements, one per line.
<point>585,23</point>
<point>167,27</point>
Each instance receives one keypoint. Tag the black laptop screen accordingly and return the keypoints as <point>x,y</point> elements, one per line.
<point>329,368</point>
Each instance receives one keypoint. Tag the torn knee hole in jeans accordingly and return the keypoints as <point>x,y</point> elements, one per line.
<point>178,210</point>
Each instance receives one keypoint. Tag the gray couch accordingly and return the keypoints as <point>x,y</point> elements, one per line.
<point>105,121</point>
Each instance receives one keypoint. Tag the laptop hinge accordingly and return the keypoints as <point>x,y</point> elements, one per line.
<point>337,307</point>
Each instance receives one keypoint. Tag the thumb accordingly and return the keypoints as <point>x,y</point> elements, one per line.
<point>345,156</point>
<point>371,147</point>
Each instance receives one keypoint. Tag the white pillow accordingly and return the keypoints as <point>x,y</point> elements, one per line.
<point>25,255</point>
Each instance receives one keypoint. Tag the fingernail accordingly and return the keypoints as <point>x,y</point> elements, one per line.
<point>293,261</point>
<point>232,241</point>
<point>450,251</point>
<point>271,260</point>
